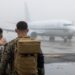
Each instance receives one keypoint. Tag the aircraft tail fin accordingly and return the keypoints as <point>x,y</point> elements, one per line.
<point>27,14</point>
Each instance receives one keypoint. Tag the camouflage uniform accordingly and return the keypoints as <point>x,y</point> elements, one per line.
<point>1,51</point>
<point>8,58</point>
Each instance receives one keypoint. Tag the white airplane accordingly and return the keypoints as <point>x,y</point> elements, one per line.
<point>51,28</point>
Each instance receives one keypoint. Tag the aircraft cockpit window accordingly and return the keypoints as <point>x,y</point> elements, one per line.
<point>67,24</point>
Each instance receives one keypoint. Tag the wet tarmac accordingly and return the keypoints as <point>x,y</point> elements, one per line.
<point>59,56</point>
<point>67,68</point>
<point>58,50</point>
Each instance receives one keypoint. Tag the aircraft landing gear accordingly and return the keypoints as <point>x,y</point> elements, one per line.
<point>67,38</point>
<point>52,39</point>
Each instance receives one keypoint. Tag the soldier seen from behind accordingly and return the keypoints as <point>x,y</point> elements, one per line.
<point>2,42</point>
<point>7,61</point>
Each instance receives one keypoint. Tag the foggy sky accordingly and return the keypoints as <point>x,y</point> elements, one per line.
<point>12,11</point>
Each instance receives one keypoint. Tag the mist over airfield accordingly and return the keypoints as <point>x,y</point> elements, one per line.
<point>36,10</point>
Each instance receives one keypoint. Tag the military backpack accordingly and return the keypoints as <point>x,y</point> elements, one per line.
<point>26,56</point>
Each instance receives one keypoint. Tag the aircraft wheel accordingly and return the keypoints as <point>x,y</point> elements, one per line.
<point>51,38</point>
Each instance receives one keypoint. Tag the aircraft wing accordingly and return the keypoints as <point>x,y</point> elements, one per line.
<point>8,30</point>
